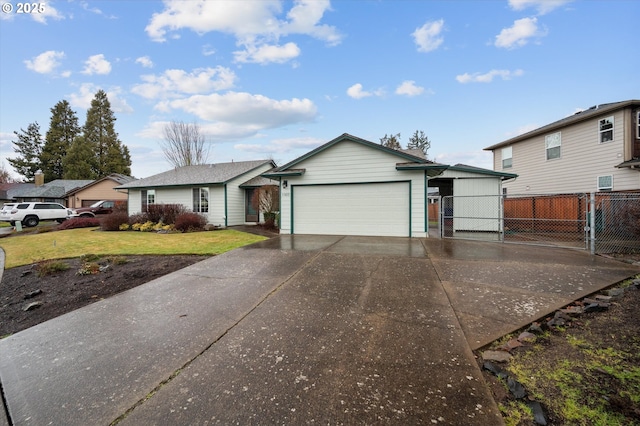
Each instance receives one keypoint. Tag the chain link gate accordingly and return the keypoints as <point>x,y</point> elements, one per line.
<point>560,220</point>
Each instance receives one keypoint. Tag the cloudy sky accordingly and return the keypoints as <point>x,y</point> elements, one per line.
<point>274,79</point>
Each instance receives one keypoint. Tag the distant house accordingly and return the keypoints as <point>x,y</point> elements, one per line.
<point>55,191</point>
<point>593,150</point>
<point>98,190</point>
<point>222,192</point>
<point>9,191</point>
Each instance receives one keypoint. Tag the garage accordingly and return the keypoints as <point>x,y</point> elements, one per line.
<point>352,209</point>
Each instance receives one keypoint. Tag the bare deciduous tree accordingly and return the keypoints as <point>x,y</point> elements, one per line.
<point>184,144</point>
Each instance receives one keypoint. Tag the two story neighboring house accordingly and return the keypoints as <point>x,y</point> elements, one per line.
<point>593,150</point>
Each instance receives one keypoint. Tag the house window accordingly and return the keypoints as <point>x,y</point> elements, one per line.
<point>507,157</point>
<point>553,143</point>
<point>605,183</point>
<point>606,129</point>
<point>201,200</point>
<point>638,125</point>
<point>148,197</point>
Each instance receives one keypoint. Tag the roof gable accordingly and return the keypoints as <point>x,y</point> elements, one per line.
<point>347,137</point>
<point>205,174</point>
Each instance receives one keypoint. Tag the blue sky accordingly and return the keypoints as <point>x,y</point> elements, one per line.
<point>275,79</point>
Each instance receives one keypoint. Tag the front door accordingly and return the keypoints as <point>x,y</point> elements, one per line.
<point>251,214</point>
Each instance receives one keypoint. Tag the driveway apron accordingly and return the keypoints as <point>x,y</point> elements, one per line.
<point>295,330</point>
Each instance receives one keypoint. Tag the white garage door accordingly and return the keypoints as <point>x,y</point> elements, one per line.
<point>352,209</point>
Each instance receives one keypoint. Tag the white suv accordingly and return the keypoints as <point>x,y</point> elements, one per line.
<point>30,214</point>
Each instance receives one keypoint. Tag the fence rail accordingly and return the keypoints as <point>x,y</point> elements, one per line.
<point>564,220</point>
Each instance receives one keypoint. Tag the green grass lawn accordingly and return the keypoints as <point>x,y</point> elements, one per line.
<point>26,249</point>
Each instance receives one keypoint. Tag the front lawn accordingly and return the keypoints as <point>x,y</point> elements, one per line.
<point>27,249</point>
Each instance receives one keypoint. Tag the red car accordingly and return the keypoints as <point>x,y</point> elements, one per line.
<point>99,208</point>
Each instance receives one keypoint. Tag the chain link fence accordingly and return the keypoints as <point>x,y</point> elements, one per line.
<point>562,220</point>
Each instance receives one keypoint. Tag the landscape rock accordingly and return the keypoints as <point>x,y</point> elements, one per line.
<point>33,305</point>
<point>615,292</point>
<point>33,294</point>
<point>526,336</point>
<point>596,307</point>
<point>539,416</point>
<point>497,356</point>
<point>515,387</point>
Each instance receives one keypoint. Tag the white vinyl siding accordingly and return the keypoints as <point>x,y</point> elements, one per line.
<point>352,209</point>
<point>583,159</point>
<point>473,207</point>
<point>350,162</point>
<point>236,196</point>
<point>638,125</point>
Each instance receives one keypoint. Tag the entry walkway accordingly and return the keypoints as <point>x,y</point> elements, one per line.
<point>296,329</point>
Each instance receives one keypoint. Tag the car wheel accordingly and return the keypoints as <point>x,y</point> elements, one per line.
<point>12,223</point>
<point>86,215</point>
<point>60,220</point>
<point>31,221</point>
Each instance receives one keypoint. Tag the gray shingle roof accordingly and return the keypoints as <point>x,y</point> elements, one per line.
<point>205,174</point>
<point>54,189</point>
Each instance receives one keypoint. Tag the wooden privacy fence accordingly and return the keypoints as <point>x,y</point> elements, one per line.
<point>546,213</point>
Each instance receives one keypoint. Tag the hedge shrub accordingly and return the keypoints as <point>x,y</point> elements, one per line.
<point>189,222</point>
<point>79,222</point>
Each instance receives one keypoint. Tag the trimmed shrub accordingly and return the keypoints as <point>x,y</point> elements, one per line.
<point>112,222</point>
<point>79,222</point>
<point>138,218</point>
<point>165,213</point>
<point>190,222</point>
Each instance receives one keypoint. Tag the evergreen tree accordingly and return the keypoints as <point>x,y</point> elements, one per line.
<point>63,129</point>
<point>28,147</point>
<point>391,141</point>
<point>419,141</point>
<point>99,134</point>
<point>79,163</point>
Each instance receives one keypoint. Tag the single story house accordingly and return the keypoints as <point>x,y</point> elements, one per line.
<point>222,192</point>
<point>55,191</point>
<point>98,190</point>
<point>351,186</point>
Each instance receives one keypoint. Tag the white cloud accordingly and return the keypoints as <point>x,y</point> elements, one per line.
<point>281,146</point>
<point>46,62</point>
<point>207,50</point>
<point>255,112</point>
<point>519,34</point>
<point>542,6</point>
<point>175,82</point>
<point>267,53</point>
<point>255,24</point>
<point>145,61</point>
<point>87,91</point>
<point>488,77</point>
<point>96,64</point>
<point>409,88</point>
<point>356,92</point>
<point>427,37</point>
<point>48,11</point>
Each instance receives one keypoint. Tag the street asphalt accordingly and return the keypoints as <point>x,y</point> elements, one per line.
<point>297,330</point>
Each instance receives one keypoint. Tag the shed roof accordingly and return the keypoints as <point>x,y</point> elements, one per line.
<point>205,174</point>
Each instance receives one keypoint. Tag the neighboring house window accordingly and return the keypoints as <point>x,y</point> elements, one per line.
<point>200,200</point>
<point>638,125</point>
<point>605,183</point>
<point>553,143</point>
<point>507,157</point>
<point>606,129</point>
<point>148,197</point>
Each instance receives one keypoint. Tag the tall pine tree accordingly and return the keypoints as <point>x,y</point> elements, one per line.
<point>80,161</point>
<point>99,134</point>
<point>63,129</point>
<point>28,147</point>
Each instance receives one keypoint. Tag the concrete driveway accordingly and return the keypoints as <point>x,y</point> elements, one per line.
<point>295,330</point>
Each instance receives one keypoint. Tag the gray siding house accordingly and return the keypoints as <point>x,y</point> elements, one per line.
<point>593,150</point>
<point>214,190</point>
